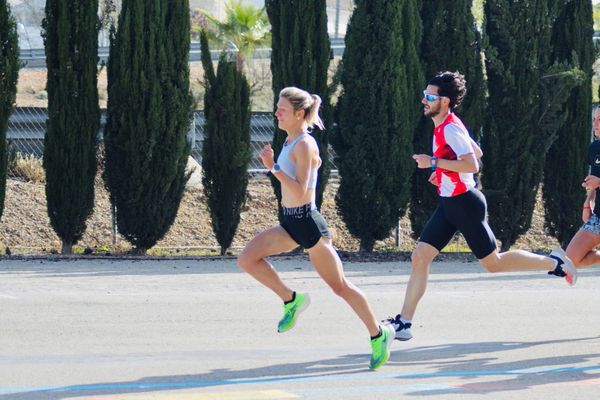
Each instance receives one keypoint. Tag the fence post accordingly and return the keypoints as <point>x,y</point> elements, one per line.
<point>194,130</point>
<point>114,224</point>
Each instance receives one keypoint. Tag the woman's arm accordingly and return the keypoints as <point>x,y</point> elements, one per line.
<point>588,205</point>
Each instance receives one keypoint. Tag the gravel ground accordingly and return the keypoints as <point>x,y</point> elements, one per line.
<point>25,226</point>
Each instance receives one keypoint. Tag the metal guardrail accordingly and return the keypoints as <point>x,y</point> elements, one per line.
<point>27,127</point>
<point>36,58</point>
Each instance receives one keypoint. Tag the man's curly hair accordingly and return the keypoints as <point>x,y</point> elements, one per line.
<point>451,85</point>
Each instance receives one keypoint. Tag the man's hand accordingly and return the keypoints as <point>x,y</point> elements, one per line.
<point>423,160</point>
<point>433,179</point>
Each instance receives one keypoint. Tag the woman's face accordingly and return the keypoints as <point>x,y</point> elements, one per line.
<point>596,122</point>
<point>288,119</point>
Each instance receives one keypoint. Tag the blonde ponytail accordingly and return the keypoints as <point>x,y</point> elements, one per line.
<point>312,114</point>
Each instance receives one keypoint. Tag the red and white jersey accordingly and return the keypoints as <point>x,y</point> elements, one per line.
<point>450,141</point>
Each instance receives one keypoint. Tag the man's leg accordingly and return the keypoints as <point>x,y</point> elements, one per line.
<point>421,259</point>
<point>516,260</point>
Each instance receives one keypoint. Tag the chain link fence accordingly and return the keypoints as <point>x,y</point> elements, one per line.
<point>27,126</point>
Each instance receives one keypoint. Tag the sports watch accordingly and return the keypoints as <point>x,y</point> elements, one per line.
<point>276,168</point>
<point>434,161</point>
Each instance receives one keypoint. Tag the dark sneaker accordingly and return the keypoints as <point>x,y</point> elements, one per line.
<point>402,329</point>
<point>564,267</point>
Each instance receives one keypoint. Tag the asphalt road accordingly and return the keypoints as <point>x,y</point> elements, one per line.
<point>199,330</point>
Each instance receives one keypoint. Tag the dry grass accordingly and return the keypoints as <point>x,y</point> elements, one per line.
<point>27,168</point>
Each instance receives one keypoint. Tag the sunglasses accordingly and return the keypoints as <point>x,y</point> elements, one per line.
<point>431,97</point>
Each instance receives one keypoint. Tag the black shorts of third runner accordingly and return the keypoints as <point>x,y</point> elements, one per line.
<point>305,225</point>
<point>466,213</point>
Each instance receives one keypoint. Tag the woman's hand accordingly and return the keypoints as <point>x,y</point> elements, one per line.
<point>586,214</point>
<point>591,182</point>
<point>266,156</point>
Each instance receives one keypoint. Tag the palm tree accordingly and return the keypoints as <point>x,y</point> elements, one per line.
<point>244,28</point>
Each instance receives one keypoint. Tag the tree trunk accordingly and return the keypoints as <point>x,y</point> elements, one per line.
<point>67,247</point>
<point>139,251</point>
<point>366,245</point>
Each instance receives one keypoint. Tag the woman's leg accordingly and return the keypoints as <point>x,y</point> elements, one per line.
<point>252,259</point>
<point>329,266</point>
<point>581,249</point>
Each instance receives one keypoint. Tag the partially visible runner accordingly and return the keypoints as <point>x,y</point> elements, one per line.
<point>462,207</point>
<point>296,169</point>
<point>582,247</point>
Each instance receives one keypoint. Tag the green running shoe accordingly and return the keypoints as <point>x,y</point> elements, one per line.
<point>380,347</point>
<point>291,312</point>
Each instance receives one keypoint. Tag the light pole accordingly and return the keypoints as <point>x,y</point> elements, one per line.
<point>337,18</point>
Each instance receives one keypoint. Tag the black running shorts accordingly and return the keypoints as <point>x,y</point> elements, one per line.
<point>305,225</point>
<point>466,213</point>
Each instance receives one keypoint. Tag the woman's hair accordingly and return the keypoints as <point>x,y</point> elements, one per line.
<point>451,85</point>
<point>302,100</point>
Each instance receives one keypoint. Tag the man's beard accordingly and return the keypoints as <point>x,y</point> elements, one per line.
<point>431,112</point>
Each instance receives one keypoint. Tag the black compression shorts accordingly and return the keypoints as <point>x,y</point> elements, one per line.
<point>466,213</point>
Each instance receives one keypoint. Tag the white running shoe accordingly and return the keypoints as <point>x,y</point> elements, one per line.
<point>402,329</point>
<point>564,267</point>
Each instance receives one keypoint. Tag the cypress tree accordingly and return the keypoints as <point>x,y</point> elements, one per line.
<point>453,44</point>
<point>572,44</point>
<point>526,94</point>
<point>148,118</point>
<point>9,73</point>
<point>226,146</point>
<point>70,143</point>
<point>300,57</point>
<point>377,113</point>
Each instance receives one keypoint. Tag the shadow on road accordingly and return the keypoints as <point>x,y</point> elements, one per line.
<point>462,361</point>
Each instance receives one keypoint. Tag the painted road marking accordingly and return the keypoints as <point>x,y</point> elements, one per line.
<point>155,386</point>
<point>245,395</point>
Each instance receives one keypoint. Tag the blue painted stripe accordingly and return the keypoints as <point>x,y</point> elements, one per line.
<point>316,378</point>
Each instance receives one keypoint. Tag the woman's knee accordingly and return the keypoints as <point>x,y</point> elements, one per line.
<point>573,256</point>
<point>242,261</point>
<point>491,263</point>
<point>246,260</point>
